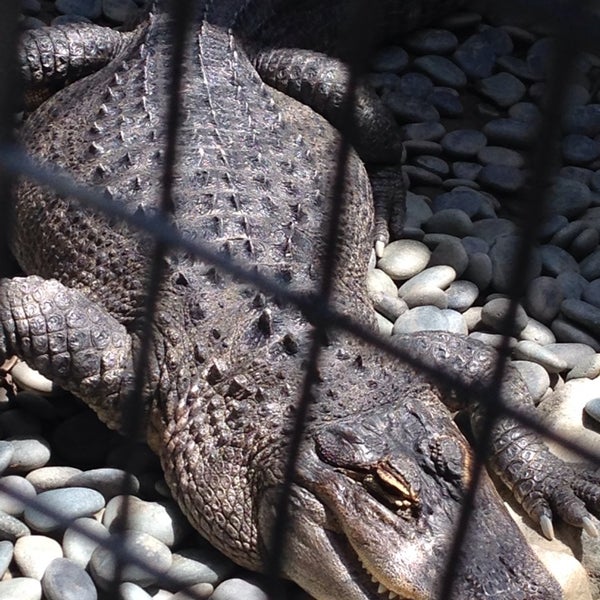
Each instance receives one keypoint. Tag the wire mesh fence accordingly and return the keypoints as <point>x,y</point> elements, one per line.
<point>575,26</point>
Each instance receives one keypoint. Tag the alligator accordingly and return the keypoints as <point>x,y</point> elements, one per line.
<point>382,468</point>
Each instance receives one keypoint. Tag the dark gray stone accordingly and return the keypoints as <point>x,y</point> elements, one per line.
<point>441,70</point>
<point>535,377</point>
<point>585,243</point>
<point>108,481</point>
<point>565,235</point>
<point>64,505</point>
<point>582,313</point>
<point>580,174</point>
<point>579,149</point>
<point>543,298</point>
<point>518,67</point>
<point>528,112</point>
<point>571,352</point>
<point>462,295</point>
<point>466,170</point>
<point>567,331</point>
<point>431,41</point>
<point>415,85</point>
<point>526,350</point>
<point>572,284</point>
<point>479,270</point>
<point>29,452</point>
<point>410,110</point>
<point>450,220</point>
<point>591,293</point>
<point>65,580</point>
<point>426,131</point>
<point>512,132</point>
<point>17,422</point>
<point>555,260</point>
<point>584,120</point>
<point>475,244</point>
<point>447,103</point>
<point>452,253</point>
<point>392,59</point>
<point>91,9</point>
<point>590,266</point>
<point>501,178</point>
<point>470,202</point>
<point>476,57</point>
<point>494,315</point>
<point>463,143</point>
<point>503,89</point>
<point>504,255</point>
<point>436,165</point>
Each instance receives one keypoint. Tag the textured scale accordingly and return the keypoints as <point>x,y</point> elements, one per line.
<point>254,180</point>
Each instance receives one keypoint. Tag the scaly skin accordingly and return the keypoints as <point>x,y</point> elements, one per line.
<point>382,468</point>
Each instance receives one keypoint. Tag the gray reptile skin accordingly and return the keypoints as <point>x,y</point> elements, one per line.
<point>383,467</point>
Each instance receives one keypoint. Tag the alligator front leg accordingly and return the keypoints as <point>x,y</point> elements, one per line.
<point>69,339</point>
<point>542,483</point>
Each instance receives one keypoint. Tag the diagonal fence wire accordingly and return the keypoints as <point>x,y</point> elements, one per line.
<point>315,309</point>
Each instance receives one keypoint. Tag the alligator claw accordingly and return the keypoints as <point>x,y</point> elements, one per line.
<point>379,246</point>
<point>547,527</point>
<point>589,527</point>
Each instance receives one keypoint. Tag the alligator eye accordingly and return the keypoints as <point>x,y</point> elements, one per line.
<point>393,489</point>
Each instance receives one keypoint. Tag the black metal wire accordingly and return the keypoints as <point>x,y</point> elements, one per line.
<point>12,162</point>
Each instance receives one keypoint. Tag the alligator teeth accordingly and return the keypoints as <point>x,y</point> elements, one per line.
<point>393,595</point>
<point>381,589</point>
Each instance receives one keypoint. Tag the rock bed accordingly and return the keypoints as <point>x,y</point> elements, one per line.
<point>466,94</point>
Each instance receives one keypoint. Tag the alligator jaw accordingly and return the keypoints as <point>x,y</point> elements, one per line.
<point>373,517</point>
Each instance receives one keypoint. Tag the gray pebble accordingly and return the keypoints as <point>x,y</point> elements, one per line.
<point>589,367</point>
<point>452,221</point>
<point>108,481</point>
<point>90,9</point>
<point>131,591</point>
<point>571,352</point>
<point>592,408</point>
<point>578,173</point>
<point>479,270</point>
<point>504,255</point>
<point>537,332</point>
<point>68,20</point>
<point>384,326</point>
<point>234,589</point>
<point>463,143</point>
<point>446,103</point>
<point>501,178</point>
<point>591,293</point>
<point>572,284</point>
<point>579,149</point>
<point>555,260</point>
<point>452,253</point>
<point>153,556</point>
<point>31,7</point>
<point>380,282</point>
<point>119,11</point>
<point>33,554</point>
<point>82,538</point>
<point>161,520</point>
<point>527,112</point>
<point>543,298</point>
<point>474,244</point>
<point>6,454</point>
<point>503,89</point>
<point>29,453</point>
<point>199,565</point>
<point>409,109</point>
<point>194,592</point>
<point>417,210</point>
<point>552,225</point>
<point>390,307</point>
<point>441,70</point>
<point>419,176</point>
<point>404,258</point>
<point>15,491</point>
<point>472,317</point>
<point>434,164</point>
<point>455,322</point>
<point>65,580</point>
<point>65,504</point>
<point>495,340</point>
<point>471,202</point>
<point>50,478</point>
<point>23,588</point>
<point>453,182</point>
<point>40,406</point>
<point>533,352</point>
<point>476,57</point>
<point>512,132</point>
<point>540,55</point>
<point>12,528</point>
<point>590,266</point>
<point>415,85</point>
<point>494,315</point>
<point>595,181</point>
<point>439,277</point>
<point>566,331</point>
<point>426,131</point>
<point>518,67</point>
<point>6,555</point>
<point>535,377</point>
<point>426,296</point>
<point>490,230</point>
<point>431,41</point>
<point>497,155</point>
<point>565,236</point>
<point>585,243</point>
<point>583,313</point>
<point>466,170</point>
<point>420,318</point>
<point>584,120</point>
<point>392,58</point>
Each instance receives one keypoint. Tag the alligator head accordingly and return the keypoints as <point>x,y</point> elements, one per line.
<point>376,504</point>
